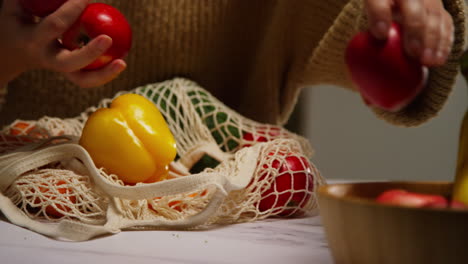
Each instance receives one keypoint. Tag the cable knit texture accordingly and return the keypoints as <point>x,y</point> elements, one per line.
<point>255,56</point>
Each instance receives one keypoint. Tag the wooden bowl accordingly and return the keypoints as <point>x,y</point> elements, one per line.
<point>362,231</point>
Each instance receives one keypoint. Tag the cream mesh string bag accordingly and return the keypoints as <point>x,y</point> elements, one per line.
<point>228,169</point>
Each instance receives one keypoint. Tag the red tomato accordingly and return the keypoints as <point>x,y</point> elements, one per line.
<point>24,128</point>
<point>21,128</point>
<point>50,195</point>
<point>291,188</point>
<point>261,134</point>
<point>98,19</point>
<point>176,204</point>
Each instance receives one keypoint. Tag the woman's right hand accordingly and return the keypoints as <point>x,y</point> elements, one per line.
<point>27,45</point>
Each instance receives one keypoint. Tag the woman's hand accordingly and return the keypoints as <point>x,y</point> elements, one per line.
<point>428,27</point>
<point>28,45</point>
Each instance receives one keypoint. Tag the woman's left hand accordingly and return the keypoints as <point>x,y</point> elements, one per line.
<point>428,28</point>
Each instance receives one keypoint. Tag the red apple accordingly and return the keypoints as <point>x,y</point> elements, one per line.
<point>386,77</point>
<point>454,204</point>
<point>41,8</point>
<point>291,188</point>
<point>411,199</point>
<point>98,19</point>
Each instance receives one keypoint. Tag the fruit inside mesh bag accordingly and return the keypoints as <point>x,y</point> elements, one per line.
<point>58,193</point>
<point>283,185</point>
<point>291,184</point>
<point>283,182</point>
<point>230,130</point>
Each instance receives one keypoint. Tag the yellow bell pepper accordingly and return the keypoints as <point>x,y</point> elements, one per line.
<point>460,186</point>
<point>130,139</point>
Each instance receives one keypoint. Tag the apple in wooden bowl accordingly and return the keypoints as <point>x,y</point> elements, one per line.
<point>359,229</point>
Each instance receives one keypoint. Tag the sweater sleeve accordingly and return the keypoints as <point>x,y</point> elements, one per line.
<point>326,64</point>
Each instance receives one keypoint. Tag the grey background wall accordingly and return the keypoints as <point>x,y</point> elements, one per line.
<point>351,143</point>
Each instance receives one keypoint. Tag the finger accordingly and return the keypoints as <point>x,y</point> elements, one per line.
<point>413,14</point>
<point>54,25</point>
<point>70,61</point>
<point>432,36</point>
<point>379,15</point>
<point>446,39</point>
<point>88,79</point>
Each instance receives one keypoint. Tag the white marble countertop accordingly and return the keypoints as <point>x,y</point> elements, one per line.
<point>268,241</point>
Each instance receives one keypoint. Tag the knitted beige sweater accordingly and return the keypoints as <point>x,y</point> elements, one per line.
<point>255,56</point>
